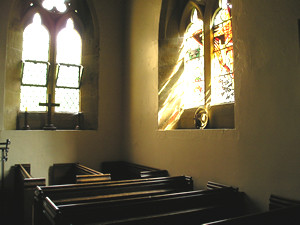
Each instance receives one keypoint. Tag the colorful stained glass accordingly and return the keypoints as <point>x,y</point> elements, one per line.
<point>222,79</point>
<point>194,64</point>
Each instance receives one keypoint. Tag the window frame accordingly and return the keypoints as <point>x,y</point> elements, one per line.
<point>221,116</point>
<point>54,23</point>
<point>87,24</point>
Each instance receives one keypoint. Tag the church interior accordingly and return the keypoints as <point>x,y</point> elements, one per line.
<point>253,143</point>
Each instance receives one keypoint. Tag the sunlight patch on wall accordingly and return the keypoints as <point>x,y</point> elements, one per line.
<point>188,91</point>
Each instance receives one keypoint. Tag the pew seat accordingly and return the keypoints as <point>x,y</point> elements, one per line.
<point>72,173</point>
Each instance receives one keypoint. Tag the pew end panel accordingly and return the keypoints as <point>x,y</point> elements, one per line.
<point>25,185</point>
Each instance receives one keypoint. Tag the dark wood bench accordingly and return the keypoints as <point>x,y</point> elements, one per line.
<point>205,205</point>
<point>277,202</point>
<point>78,192</point>
<point>72,173</point>
<point>212,211</point>
<point>288,215</point>
<point>25,185</point>
<point>121,170</point>
<point>281,211</point>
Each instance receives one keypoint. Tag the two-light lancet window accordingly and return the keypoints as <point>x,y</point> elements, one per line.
<point>51,64</point>
<point>196,66</point>
<point>222,77</point>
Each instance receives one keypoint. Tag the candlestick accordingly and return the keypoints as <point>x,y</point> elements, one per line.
<point>26,125</point>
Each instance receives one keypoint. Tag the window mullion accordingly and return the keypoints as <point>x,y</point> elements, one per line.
<point>52,70</point>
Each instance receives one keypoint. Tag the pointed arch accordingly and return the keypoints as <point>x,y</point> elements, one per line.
<point>176,70</point>
<point>222,78</point>
<point>87,27</point>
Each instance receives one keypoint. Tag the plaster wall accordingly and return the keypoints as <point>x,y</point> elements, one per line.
<point>43,148</point>
<point>262,154</point>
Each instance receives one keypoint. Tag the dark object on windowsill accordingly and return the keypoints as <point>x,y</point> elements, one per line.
<point>201,118</point>
<point>79,121</point>
<point>26,125</point>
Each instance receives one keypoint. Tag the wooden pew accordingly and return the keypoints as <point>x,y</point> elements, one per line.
<point>277,202</point>
<point>77,192</point>
<point>121,170</point>
<point>25,185</point>
<point>72,173</point>
<point>204,205</point>
<point>287,215</point>
<point>281,211</point>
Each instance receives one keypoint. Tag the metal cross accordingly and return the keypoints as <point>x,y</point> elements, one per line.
<point>49,104</point>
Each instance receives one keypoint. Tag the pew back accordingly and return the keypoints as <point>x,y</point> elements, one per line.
<point>277,202</point>
<point>210,205</point>
<point>121,170</point>
<point>287,215</point>
<point>76,192</point>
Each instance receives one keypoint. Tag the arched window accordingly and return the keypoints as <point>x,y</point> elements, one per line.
<point>202,77</point>
<point>51,42</point>
<point>222,80</point>
<point>69,69</point>
<point>35,58</point>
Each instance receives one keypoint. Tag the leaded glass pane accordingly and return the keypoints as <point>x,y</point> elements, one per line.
<point>34,73</point>
<point>31,97</point>
<point>222,79</point>
<point>68,99</point>
<point>68,76</point>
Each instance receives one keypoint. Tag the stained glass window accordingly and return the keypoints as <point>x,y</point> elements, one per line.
<point>222,77</point>
<point>69,70</point>
<point>35,66</point>
<point>194,64</point>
